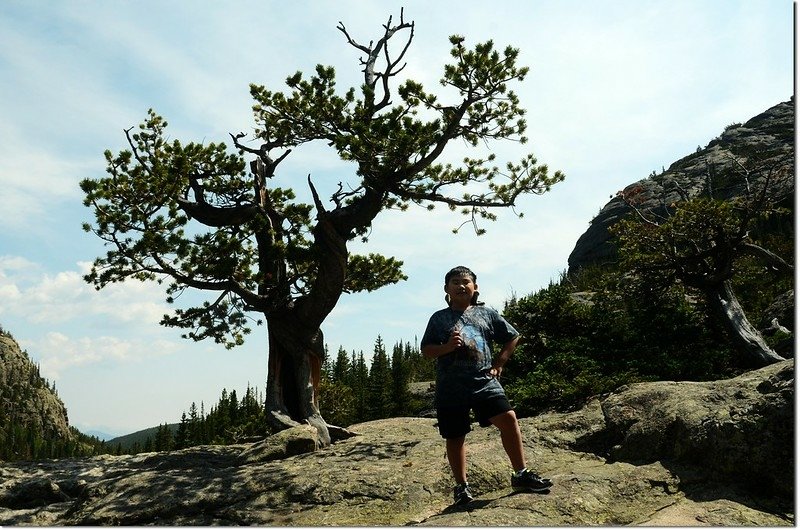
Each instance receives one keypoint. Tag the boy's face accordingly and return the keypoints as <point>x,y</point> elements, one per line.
<point>461,288</point>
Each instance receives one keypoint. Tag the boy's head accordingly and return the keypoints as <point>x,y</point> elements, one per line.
<point>460,271</point>
<point>461,282</point>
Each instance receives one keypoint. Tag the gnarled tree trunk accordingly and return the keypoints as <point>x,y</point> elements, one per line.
<point>746,338</point>
<point>295,361</point>
<point>296,346</point>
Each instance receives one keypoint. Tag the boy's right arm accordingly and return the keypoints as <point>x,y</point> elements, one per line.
<point>438,350</point>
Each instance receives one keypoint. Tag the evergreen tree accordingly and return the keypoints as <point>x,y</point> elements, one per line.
<point>360,381</point>
<point>210,428</point>
<point>336,395</point>
<point>327,364</point>
<point>421,368</point>
<point>233,408</point>
<point>204,425</point>
<point>337,403</point>
<point>351,373</point>
<point>699,244</point>
<point>163,440</point>
<point>223,418</point>
<point>400,397</point>
<point>193,437</point>
<point>250,416</point>
<point>380,384</point>
<point>182,434</point>
<point>341,367</point>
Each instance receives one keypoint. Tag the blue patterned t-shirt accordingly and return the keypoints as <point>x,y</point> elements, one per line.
<point>462,376</point>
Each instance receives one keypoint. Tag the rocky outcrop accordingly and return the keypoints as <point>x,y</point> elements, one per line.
<point>716,454</point>
<point>768,136</point>
<point>26,400</point>
<point>750,439</point>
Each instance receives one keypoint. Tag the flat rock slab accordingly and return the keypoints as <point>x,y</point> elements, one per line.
<point>394,472</point>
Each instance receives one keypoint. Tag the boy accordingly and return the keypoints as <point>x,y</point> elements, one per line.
<point>459,338</point>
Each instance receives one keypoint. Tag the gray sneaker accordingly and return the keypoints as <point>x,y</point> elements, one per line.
<point>527,480</point>
<point>461,494</point>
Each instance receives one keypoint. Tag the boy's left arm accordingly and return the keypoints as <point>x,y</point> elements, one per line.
<point>503,357</point>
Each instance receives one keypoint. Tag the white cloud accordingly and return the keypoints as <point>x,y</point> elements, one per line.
<point>62,297</point>
<point>35,300</point>
<point>16,264</point>
<point>35,178</point>
<point>57,352</point>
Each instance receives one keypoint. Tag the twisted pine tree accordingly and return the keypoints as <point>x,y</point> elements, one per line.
<point>192,214</point>
<point>698,242</point>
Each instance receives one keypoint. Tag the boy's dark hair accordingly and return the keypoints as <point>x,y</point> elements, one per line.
<point>462,271</point>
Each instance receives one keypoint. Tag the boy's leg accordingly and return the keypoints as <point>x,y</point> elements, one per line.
<point>498,412</point>
<point>454,424</point>
<point>511,437</point>
<point>457,457</point>
<point>522,479</point>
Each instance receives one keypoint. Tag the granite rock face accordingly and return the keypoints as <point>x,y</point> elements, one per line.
<point>25,398</point>
<point>768,136</point>
<point>650,454</point>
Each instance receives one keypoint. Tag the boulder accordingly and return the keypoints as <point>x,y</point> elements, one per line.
<point>290,442</point>
<point>750,439</point>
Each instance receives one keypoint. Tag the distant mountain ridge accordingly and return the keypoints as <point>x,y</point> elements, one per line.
<point>101,435</point>
<point>127,441</point>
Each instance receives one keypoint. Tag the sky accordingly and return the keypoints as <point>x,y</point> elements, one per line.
<point>617,89</point>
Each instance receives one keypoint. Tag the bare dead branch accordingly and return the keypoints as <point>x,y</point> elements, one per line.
<point>374,50</point>
<point>321,211</point>
<point>766,256</point>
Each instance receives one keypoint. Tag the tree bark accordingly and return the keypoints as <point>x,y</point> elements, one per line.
<point>295,361</point>
<point>746,339</point>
